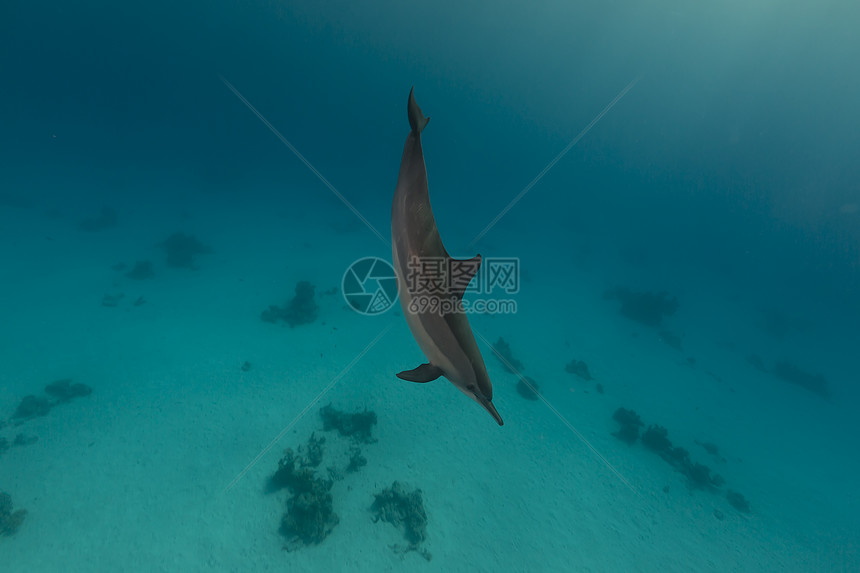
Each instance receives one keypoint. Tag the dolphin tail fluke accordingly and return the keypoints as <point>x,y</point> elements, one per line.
<point>417,121</point>
<point>424,373</point>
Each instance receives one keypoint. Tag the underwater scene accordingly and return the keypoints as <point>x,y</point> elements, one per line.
<point>325,285</point>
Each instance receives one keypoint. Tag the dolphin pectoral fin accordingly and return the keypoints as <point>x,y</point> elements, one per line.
<point>424,373</point>
<point>462,273</point>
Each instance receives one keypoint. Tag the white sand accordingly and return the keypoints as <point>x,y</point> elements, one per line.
<point>133,477</point>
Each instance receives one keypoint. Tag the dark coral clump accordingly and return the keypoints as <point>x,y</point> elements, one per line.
<point>112,300</point>
<point>64,390</point>
<point>59,392</point>
<point>790,373</point>
<point>356,460</point>
<point>358,426</point>
<point>630,424</point>
<point>295,469</point>
<point>22,440</point>
<point>314,452</point>
<point>302,309</point>
<point>142,270</point>
<point>10,520</point>
<point>700,476</point>
<point>579,368</point>
<point>502,350</point>
<point>527,388</point>
<point>738,501</point>
<point>644,307</point>
<point>656,438</point>
<point>310,517</point>
<point>285,475</point>
<point>677,456</point>
<point>403,509</point>
<point>32,406</point>
<point>181,250</point>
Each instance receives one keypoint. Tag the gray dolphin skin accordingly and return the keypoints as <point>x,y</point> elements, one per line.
<point>445,337</point>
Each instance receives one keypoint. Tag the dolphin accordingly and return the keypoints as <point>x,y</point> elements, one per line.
<point>443,334</point>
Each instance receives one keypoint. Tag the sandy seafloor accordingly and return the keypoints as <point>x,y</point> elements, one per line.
<point>133,477</point>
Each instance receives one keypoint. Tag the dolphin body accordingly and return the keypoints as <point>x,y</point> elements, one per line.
<point>445,337</point>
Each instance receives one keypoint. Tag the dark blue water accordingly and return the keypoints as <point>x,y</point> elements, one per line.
<point>738,138</point>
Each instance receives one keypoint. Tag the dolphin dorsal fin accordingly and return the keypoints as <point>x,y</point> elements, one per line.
<point>417,121</point>
<point>462,272</point>
<point>424,373</point>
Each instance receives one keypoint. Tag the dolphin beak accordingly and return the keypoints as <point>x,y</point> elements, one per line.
<point>488,406</point>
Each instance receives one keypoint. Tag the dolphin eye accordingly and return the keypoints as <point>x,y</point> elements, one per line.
<point>471,388</point>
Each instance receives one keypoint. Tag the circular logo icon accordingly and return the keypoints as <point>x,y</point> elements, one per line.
<point>370,286</point>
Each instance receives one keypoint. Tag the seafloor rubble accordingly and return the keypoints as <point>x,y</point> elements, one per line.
<point>301,309</point>
<point>656,439</point>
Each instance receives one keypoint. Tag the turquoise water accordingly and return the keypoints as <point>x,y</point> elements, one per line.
<point>677,185</point>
